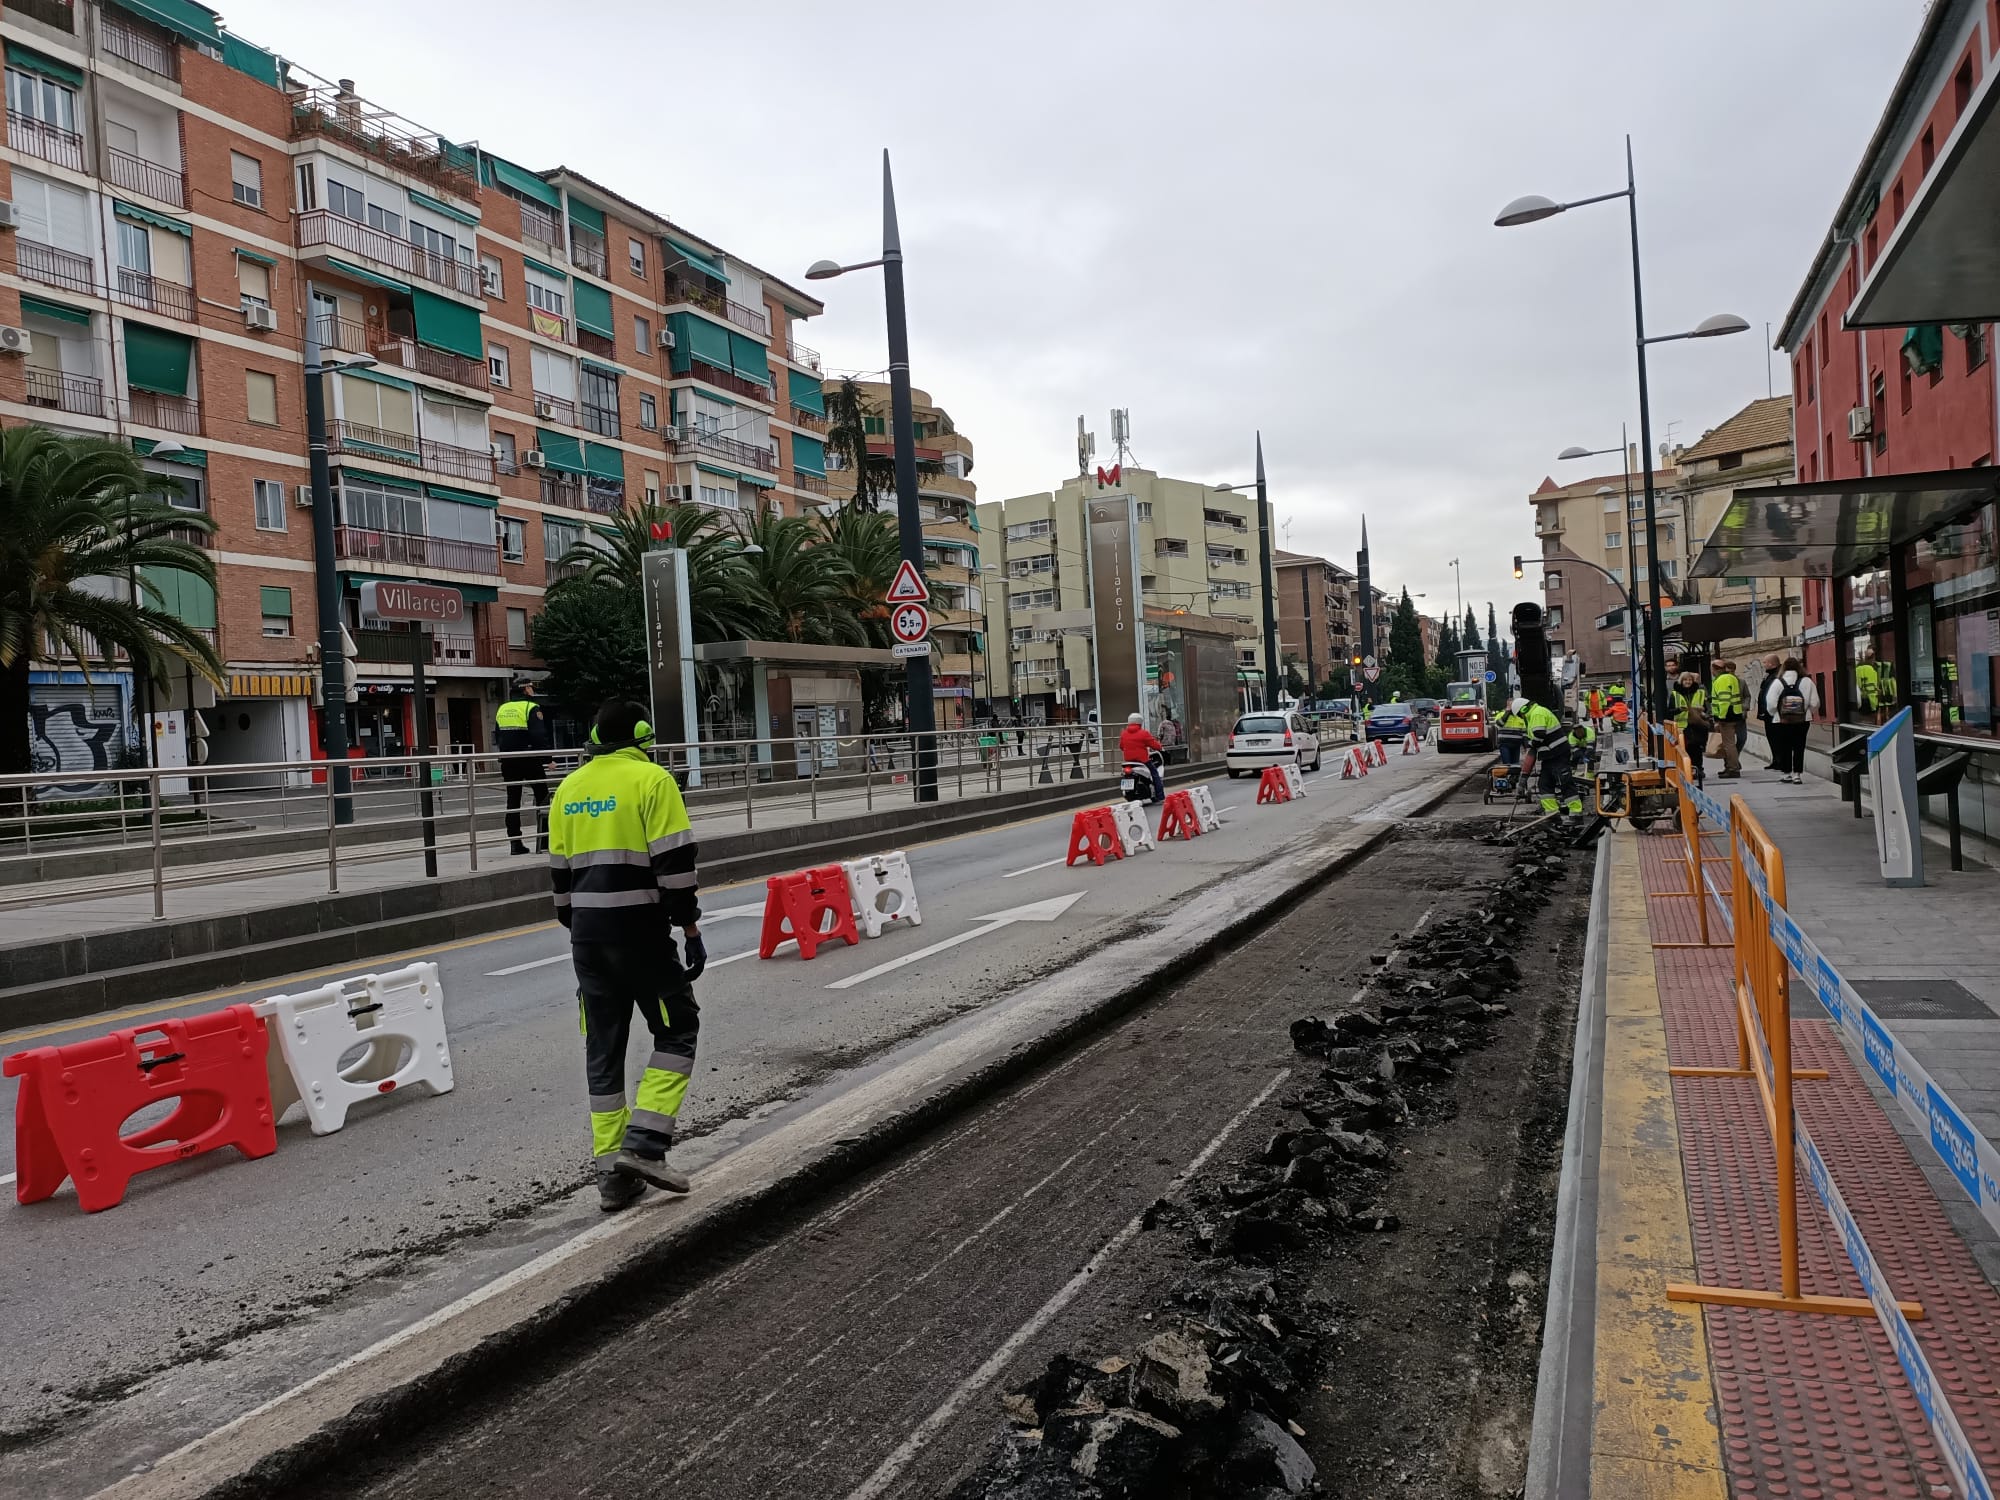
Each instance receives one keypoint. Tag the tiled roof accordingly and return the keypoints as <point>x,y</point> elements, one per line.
<point>1764,423</point>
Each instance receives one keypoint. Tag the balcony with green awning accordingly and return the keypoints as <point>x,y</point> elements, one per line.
<point>808,455</point>
<point>602,461</point>
<point>518,180</point>
<point>593,308</point>
<point>749,359</point>
<point>445,324</point>
<point>697,260</point>
<point>186,596</point>
<point>697,338</point>
<point>806,393</point>
<point>157,360</point>
<point>561,451</point>
<point>590,218</point>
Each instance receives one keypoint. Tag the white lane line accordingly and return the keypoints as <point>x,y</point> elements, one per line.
<point>1038,911</point>
<point>752,910</point>
<point>716,963</point>
<point>7,1179</point>
<point>893,1466</point>
<point>1032,868</point>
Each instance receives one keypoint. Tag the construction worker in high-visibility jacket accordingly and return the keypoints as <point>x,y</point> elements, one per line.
<point>622,860</point>
<point>1552,761</point>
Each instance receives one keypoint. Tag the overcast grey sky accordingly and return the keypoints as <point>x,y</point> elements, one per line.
<point>1223,217</point>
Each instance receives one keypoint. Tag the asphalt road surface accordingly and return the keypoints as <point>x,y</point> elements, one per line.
<point>220,1283</point>
<point>861,1354</point>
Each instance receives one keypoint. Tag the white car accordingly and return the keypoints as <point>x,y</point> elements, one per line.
<point>1271,739</point>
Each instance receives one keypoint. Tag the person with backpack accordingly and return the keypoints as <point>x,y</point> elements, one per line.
<point>1764,715</point>
<point>1793,700</point>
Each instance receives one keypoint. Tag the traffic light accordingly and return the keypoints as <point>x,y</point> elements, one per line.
<point>1519,571</point>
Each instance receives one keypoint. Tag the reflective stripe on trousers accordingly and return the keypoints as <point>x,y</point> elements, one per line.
<point>613,981</point>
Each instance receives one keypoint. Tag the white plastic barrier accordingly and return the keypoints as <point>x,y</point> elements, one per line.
<point>884,891</point>
<point>354,1040</point>
<point>1294,783</point>
<point>1204,809</point>
<point>1133,833</point>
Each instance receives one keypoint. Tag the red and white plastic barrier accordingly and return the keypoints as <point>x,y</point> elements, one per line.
<point>1354,765</point>
<point>1179,818</point>
<point>809,907</point>
<point>1280,784</point>
<point>1093,835</point>
<point>395,1019</point>
<point>884,891</point>
<point>1411,745</point>
<point>1378,752</point>
<point>1205,814</point>
<point>1133,834</point>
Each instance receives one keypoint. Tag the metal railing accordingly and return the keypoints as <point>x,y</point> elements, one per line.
<point>57,13</point>
<point>82,394</point>
<point>753,318</point>
<point>32,137</point>
<point>681,288</point>
<point>250,822</point>
<point>157,409</point>
<point>341,116</point>
<point>343,436</point>
<point>540,225</point>
<point>555,409</point>
<point>440,364</point>
<point>137,175</point>
<point>694,439</point>
<point>168,298</point>
<point>139,44</point>
<point>323,227</point>
<point>586,250</point>
<point>812,484</point>
<point>35,261</point>
<point>812,421</point>
<point>446,649</point>
<point>728,380</point>
<point>406,550</point>
<point>799,354</point>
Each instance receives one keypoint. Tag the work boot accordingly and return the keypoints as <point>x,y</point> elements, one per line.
<point>517,847</point>
<point>616,1189</point>
<point>654,1169</point>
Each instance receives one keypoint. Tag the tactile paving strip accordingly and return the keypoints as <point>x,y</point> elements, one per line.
<point>1815,1405</point>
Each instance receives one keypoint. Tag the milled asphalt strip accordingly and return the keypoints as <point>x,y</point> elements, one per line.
<point>892,1466</point>
<point>1559,1440</point>
<point>387,1389</point>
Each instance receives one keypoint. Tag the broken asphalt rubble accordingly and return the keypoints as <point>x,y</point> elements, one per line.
<point>1206,1407</point>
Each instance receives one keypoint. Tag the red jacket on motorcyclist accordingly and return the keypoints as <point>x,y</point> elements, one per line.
<point>1137,745</point>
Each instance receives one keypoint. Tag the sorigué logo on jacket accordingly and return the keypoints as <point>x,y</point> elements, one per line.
<point>593,806</point>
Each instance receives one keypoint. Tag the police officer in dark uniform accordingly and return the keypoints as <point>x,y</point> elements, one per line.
<point>522,726</point>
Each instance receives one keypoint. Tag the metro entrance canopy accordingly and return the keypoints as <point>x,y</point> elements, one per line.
<point>1838,526</point>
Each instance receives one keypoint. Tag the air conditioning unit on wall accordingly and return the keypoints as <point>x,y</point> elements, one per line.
<point>1860,423</point>
<point>258,316</point>
<point>546,410</point>
<point>302,497</point>
<point>16,341</point>
<point>534,459</point>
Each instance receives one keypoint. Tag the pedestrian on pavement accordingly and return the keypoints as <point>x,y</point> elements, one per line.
<point>622,860</point>
<point>519,728</point>
<point>1137,745</point>
<point>1725,704</point>
<point>1690,706</point>
<point>1793,701</point>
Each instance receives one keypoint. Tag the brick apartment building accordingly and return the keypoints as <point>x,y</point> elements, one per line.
<point>520,353</point>
<point>1316,621</point>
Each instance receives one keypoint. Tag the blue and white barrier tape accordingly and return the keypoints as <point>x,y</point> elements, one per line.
<point>1968,1155</point>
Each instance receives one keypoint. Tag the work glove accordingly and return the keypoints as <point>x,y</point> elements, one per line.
<point>694,957</point>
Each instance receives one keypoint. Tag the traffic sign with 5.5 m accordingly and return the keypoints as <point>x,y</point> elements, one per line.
<point>909,623</point>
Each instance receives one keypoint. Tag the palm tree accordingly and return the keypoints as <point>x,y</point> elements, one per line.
<point>79,517</point>
<point>804,589</point>
<point>847,417</point>
<point>722,604</point>
<point>865,545</point>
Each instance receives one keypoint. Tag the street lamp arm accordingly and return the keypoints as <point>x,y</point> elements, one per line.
<point>1600,198</point>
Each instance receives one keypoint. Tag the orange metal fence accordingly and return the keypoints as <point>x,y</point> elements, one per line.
<point>1693,856</point>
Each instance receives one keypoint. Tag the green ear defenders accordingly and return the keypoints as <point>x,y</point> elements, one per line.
<point>642,736</point>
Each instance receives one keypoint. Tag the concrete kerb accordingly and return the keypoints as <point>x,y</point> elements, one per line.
<point>1559,1440</point>
<point>388,1392</point>
<point>65,977</point>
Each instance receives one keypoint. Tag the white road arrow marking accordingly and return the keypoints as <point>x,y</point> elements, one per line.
<point>755,909</point>
<point>1038,911</point>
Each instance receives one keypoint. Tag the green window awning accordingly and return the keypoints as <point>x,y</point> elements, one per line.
<point>699,259</point>
<point>1923,348</point>
<point>461,497</point>
<point>554,273</point>
<point>601,461</point>
<point>748,359</point>
<point>440,207</point>
<point>252,62</point>
<point>806,392</point>
<point>194,458</point>
<point>505,174</point>
<point>147,216</point>
<point>588,217</point>
<point>445,324</point>
<point>372,375</point>
<point>563,451</point>
<point>186,596</point>
<point>697,338</point>
<point>808,455</point>
<point>593,308</point>
<point>156,360</point>
<point>730,474</point>
<point>273,599</point>
<point>36,307</point>
<point>195,22</point>
<point>368,278</point>
<point>387,481</point>
<point>262,260</point>
<point>21,57</point>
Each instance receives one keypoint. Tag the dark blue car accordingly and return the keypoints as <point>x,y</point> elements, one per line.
<point>1390,721</point>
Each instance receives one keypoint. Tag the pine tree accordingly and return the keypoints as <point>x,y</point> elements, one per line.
<point>1447,657</point>
<point>1496,659</point>
<point>1470,640</point>
<point>1406,641</point>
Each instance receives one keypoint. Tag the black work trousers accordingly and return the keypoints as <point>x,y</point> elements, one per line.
<point>1696,741</point>
<point>526,777</point>
<point>612,981</point>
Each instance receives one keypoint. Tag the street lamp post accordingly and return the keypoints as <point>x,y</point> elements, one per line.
<point>1534,208</point>
<point>326,583</point>
<point>922,711</point>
